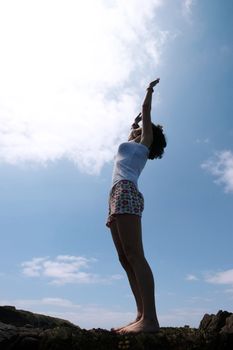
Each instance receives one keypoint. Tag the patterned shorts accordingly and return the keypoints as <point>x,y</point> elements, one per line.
<point>124,198</point>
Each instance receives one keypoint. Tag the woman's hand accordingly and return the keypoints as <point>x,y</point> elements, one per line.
<point>136,121</point>
<point>153,83</point>
<point>138,118</point>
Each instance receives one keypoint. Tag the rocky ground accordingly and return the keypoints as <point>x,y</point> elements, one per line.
<point>23,330</point>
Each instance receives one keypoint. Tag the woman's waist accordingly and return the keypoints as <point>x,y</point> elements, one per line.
<point>130,180</point>
<point>125,184</point>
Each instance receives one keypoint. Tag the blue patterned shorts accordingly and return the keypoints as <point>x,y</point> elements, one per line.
<point>124,198</point>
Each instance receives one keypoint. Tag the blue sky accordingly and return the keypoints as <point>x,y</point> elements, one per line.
<point>68,93</point>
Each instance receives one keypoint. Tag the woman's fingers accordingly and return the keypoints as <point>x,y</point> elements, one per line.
<point>155,82</point>
<point>138,117</point>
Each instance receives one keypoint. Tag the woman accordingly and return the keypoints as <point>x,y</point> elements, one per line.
<point>126,204</point>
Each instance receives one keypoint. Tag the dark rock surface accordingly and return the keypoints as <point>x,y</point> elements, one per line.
<point>20,318</point>
<point>23,330</point>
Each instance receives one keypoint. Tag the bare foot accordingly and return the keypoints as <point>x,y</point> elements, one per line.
<point>131,323</point>
<point>141,326</point>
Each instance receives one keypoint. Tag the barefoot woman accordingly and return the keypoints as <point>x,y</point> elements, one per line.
<point>125,209</point>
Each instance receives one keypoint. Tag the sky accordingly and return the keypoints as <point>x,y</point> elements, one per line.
<point>73,78</point>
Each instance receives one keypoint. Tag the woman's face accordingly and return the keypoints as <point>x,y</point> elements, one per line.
<point>135,135</point>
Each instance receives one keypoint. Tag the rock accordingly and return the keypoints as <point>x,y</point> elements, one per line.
<point>30,331</point>
<point>228,328</point>
<point>20,318</point>
<point>205,321</point>
<point>214,323</point>
<point>7,332</point>
<point>9,307</point>
<point>27,343</point>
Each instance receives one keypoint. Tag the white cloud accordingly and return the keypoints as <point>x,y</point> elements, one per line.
<point>70,73</point>
<point>85,316</point>
<point>96,316</point>
<point>199,300</point>
<point>190,277</point>
<point>229,291</point>
<point>221,166</point>
<point>34,267</point>
<point>206,140</point>
<point>179,317</point>
<point>187,6</point>
<point>222,277</point>
<point>30,303</point>
<point>65,269</point>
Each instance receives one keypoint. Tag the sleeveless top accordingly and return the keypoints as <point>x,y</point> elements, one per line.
<point>129,161</point>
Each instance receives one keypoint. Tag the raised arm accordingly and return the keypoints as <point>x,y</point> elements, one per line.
<point>147,134</point>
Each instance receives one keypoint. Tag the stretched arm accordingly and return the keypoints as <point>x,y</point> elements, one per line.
<point>147,134</point>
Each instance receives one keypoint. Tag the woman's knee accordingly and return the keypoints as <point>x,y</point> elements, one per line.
<point>123,260</point>
<point>135,257</point>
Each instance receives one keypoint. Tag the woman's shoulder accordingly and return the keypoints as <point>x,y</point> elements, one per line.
<point>133,145</point>
<point>139,146</point>
<point>145,145</point>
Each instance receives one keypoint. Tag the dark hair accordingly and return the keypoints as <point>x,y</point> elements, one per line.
<point>159,142</point>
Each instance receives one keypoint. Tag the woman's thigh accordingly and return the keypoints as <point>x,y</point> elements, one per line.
<point>130,234</point>
<point>117,240</point>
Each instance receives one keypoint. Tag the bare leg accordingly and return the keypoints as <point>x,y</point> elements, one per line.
<point>129,228</point>
<point>130,274</point>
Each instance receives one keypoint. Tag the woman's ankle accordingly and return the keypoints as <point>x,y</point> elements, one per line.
<point>139,316</point>
<point>150,318</point>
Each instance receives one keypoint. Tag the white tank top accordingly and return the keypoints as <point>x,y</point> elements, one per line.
<point>129,162</point>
